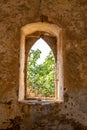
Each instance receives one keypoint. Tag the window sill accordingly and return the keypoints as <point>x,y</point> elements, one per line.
<point>36,101</point>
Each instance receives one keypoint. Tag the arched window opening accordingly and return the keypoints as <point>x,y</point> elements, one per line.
<point>53,36</point>
<point>40,72</point>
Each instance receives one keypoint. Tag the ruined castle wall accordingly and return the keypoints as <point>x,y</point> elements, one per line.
<point>71,114</point>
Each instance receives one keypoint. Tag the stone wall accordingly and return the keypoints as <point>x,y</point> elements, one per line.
<point>71,114</point>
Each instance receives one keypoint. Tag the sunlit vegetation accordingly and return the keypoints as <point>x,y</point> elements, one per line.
<point>40,77</point>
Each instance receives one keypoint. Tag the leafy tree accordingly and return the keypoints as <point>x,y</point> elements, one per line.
<point>40,78</point>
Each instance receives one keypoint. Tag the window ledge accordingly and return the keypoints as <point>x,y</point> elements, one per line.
<point>43,102</point>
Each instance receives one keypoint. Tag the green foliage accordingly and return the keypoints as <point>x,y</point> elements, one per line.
<point>41,77</point>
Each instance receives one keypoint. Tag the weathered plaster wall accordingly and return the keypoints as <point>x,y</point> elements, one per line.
<point>72,113</point>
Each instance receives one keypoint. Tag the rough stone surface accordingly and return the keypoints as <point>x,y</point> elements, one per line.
<point>71,114</point>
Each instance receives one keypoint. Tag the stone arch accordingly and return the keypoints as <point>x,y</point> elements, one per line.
<point>55,31</point>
